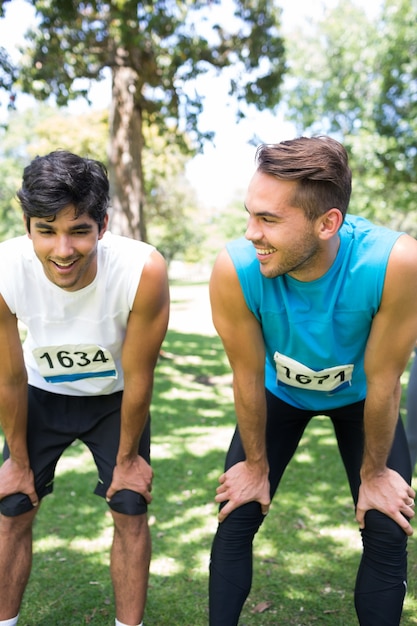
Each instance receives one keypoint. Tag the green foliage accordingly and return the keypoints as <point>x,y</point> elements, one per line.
<point>43,128</point>
<point>11,224</point>
<point>223,226</point>
<point>332,84</point>
<point>167,43</point>
<point>7,70</point>
<point>232,223</point>
<point>8,74</point>
<point>396,108</point>
<point>14,140</point>
<point>359,84</point>
<point>173,220</point>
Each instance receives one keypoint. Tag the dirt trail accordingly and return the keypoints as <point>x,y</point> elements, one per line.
<point>190,310</point>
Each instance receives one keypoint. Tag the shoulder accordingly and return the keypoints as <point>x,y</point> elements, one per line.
<point>153,284</point>
<point>241,251</point>
<point>225,287</point>
<point>155,265</point>
<point>18,256</point>
<point>242,256</point>
<point>371,245</point>
<point>224,266</point>
<point>363,230</point>
<point>124,246</point>
<point>400,284</point>
<point>124,257</point>
<point>403,255</point>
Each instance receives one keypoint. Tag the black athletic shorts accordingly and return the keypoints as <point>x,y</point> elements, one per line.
<point>55,421</point>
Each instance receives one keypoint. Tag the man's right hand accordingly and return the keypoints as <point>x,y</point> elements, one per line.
<point>242,484</point>
<point>17,479</point>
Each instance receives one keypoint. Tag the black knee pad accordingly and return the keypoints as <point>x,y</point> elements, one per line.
<point>128,502</point>
<point>15,504</point>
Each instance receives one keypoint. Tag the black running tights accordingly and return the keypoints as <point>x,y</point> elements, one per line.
<point>381,580</point>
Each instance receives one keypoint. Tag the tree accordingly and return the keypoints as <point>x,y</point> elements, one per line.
<point>8,73</point>
<point>155,51</point>
<point>175,225</point>
<point>360,84</point>
<point>395,109</point>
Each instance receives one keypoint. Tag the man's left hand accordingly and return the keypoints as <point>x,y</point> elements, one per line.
<point>388,493</point>
<point>135,475</point>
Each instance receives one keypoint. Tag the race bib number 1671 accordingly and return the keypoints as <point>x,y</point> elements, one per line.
<point>295,374</point>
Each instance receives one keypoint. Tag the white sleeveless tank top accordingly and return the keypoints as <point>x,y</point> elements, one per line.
<point>74,339</point>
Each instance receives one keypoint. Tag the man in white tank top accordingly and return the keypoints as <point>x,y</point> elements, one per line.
<point>96,310</point>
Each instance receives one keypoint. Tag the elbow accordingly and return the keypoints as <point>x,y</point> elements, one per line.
<point>386,387</point>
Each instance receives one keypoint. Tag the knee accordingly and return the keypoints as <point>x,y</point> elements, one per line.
<point>242,524</point>
<point>130,526</point>
<point>381,534</point>
<point>17,526</point>
<point>128,502</point>
<point>15,505</point>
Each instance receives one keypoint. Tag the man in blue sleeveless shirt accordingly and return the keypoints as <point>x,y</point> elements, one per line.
<point>318,315</point>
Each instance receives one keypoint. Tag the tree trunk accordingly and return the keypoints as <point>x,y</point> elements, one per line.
<point>125,155</point>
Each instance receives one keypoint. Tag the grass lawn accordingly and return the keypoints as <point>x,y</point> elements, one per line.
<point>306,553</point>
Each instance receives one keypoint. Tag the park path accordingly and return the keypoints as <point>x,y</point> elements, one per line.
<point>190,309</point>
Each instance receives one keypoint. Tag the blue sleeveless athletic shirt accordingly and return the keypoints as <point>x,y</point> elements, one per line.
<point>316,332</point>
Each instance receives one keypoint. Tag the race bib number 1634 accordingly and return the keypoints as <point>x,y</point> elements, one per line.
<point>68,363</point>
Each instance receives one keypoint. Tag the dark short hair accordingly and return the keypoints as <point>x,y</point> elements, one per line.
<point>54,181</point>
<point>320,167</point>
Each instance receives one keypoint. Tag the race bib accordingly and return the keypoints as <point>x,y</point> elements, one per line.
<point>295,374</point>
<point>68,363</point>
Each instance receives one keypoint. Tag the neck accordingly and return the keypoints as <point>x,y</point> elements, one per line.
<point>320,263</point>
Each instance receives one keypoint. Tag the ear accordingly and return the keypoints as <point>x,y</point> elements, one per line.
<point>329,223</point>
<point>104,227</point>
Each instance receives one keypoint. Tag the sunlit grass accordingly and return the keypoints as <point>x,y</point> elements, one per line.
<point>305,555</point>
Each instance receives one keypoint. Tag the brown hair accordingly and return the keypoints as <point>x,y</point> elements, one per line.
<point>318,164</point>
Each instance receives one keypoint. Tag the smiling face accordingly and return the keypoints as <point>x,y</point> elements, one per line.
<point>67,247</point>
<point>286,242</point>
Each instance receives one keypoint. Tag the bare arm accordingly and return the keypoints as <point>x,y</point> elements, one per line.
<point>242,338</point>
<point>16,475</point>
<point>390,343</point>
<point>145,333</point>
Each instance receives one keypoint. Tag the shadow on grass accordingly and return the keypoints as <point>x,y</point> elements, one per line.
<point>305,556</point>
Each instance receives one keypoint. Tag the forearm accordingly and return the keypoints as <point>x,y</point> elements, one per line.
<point>134,414</point>
<point>250,405</point>
<point>380,420</point>
<point>13,418</point>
